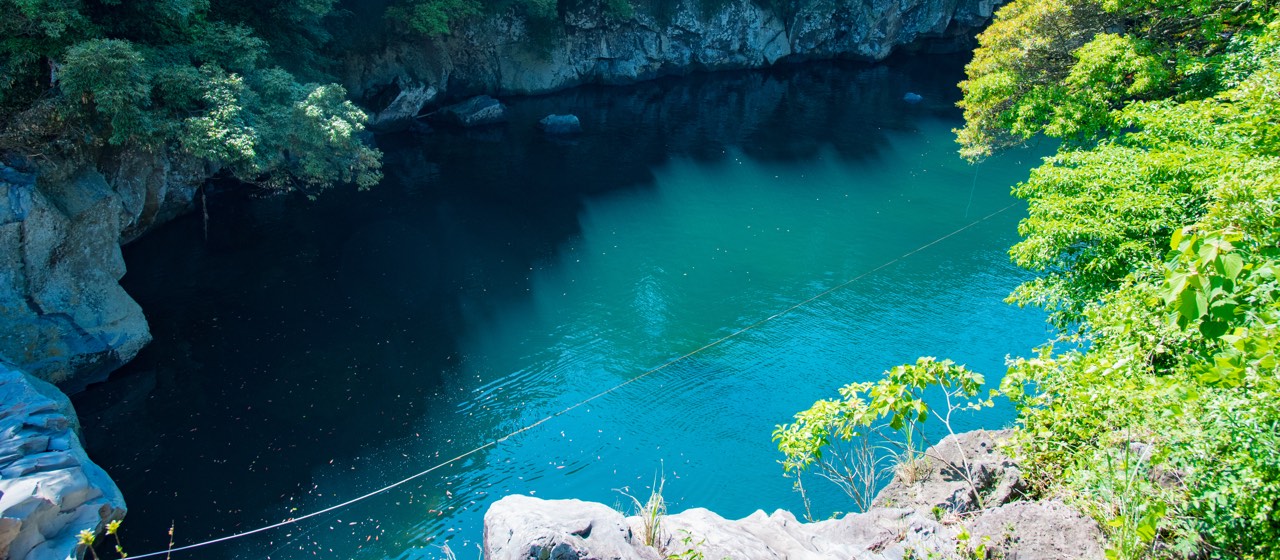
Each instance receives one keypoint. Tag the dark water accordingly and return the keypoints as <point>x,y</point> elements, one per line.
<point>308,352</point>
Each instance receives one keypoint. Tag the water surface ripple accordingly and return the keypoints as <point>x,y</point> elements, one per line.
<point>307,352</point>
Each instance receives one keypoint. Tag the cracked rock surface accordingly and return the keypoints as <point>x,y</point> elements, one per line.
<point>49,489</point>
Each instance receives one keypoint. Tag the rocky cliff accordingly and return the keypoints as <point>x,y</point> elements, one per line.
<point>49,489</point>
<point>970,488</point>
<point>502,56</point>
<point>63,315</point>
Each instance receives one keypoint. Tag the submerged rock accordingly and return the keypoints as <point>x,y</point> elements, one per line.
<point>477,111</point>
<point>49,489</point>
<point>913,520</point>
<point>912,98</point>
<point>560,124</point>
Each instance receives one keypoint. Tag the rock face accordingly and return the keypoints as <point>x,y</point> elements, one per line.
<point>400,103</point>
<point>503,56</point>
<point>962,473</point>
<point>914,520</point>
<point>1044,530</point>
<point>478,111</point>
<point>49,489</point>
<point>63,315</point>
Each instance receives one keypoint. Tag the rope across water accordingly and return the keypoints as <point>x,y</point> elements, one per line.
<point>570,408</point>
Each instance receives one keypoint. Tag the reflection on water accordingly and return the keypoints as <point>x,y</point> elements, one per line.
<point>308,352</point>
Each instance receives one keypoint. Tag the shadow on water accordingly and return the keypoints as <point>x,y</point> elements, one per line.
<point>226,415</point>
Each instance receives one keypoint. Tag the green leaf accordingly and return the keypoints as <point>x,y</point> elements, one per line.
<point>1230,266</point>
<point>1192,304</point>
<point>1213,328</point>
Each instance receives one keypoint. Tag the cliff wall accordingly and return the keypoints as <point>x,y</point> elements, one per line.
<point>63,316</point>
<point>502,56</point>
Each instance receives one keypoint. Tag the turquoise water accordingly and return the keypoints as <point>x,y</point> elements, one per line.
<point>307,353</point>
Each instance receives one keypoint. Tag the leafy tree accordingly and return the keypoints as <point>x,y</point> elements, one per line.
<point>107,77</point>
<point>1155,230</point>
<point>852,441</point>
<point>203,77</point>
<point>434,18</point>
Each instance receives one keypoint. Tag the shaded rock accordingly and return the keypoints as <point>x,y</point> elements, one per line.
<point>63,315</point>
<point>502,55</point>
<point>477,111</point>
<point>560,124</point>
<point>964,472</point>
<point>396,106</point>
<point>155,185</point>
<point>523,528</point>
<point>49,489</point>
<point>419,127</point>
<point>1048,530</point>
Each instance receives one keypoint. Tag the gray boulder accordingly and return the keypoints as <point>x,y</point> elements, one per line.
<point>49,489</point>
<point>1048,530</point>
<point>875,535</point>
<point>477,111</point>
<point>560,124</point>
<point>964,472</point>
<point>520,528</point>
<point>63,314</point>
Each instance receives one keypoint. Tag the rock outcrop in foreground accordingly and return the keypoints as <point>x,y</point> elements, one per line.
<point>503,56</point>
<point>921,519</point>
<point>49,489</point>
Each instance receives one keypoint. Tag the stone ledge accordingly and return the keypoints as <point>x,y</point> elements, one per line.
<point>921,520</point>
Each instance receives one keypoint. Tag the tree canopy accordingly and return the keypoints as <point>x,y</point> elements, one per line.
<point>207,78</point>
<point>1155,230</point>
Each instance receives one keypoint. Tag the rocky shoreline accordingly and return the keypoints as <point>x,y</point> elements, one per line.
<point>501,56</point>
<point>943,514</point>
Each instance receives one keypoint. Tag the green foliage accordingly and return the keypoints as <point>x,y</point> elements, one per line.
<point>846,438</point>
<point>1015,77</point>
<point>434,18</point>
<point>1155,230</point>
<point>200,76</point>
<point>108,76</point>
<point>1059,68</point>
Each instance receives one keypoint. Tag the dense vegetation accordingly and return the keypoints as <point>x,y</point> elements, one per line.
<point>79,78</point>
<point>1155,232</point>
